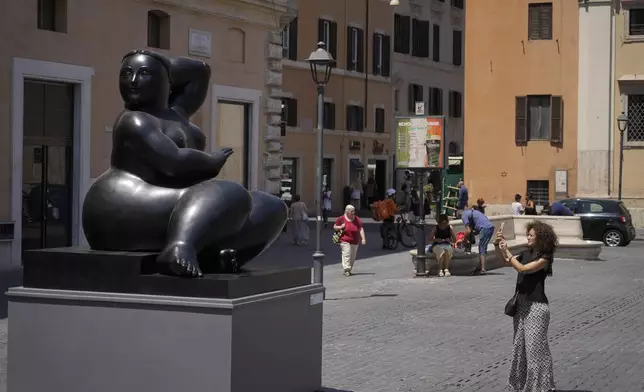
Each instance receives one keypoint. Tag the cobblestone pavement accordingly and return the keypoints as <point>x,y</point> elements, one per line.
<point>385,331</point>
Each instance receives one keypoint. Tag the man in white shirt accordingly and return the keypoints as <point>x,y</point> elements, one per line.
<point>517,207</point>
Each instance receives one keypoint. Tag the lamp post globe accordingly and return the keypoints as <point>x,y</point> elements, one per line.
<point>321,63</point>
<point>394,2</point>
<point>622,122</point>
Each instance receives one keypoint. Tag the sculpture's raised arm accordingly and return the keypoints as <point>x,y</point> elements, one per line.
<point>190,82</point>
<point>139,131</point>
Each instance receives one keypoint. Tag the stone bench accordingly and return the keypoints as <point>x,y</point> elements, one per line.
<point>567,228</point>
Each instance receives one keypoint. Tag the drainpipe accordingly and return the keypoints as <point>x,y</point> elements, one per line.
<point>366,64</point>
<point>611,102</point>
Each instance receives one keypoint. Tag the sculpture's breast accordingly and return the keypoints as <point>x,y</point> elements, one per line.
<point>176,133</point>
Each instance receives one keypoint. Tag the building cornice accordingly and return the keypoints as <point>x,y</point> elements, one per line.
<point>270,13</point>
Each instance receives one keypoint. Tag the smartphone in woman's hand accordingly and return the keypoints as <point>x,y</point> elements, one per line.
<point>499,234</point>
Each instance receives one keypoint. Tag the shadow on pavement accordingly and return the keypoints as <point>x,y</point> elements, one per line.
<point>332,390</point>
<point>572,390</point>
<point>362,297</point>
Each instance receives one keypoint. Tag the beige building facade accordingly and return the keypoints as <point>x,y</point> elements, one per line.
<point>628,82</point>
<point>358,115</point>
<point>521,100</point>
<point>60,97</point>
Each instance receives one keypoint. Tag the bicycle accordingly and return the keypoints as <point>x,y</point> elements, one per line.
<point>407,232</point>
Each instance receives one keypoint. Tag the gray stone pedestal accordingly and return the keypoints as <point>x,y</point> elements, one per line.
<point>80,341</point>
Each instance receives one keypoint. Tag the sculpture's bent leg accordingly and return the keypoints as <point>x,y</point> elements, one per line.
<point>206,213</point>
<point>263,227</point>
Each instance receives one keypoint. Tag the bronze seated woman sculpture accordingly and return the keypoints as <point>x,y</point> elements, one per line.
<point>160,193</point>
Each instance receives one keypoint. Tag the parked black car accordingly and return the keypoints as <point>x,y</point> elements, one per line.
<point>603,220</point>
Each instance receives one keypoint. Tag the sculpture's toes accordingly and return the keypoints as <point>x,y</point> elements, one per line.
<point>179,260</point>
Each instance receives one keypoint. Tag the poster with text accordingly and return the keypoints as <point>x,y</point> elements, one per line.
<point>419,142</point>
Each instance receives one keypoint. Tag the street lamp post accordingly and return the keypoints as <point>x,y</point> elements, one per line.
<point>622,125</point>
<point>320,62</point>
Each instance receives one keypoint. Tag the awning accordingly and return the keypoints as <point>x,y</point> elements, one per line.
<point>454,161</point>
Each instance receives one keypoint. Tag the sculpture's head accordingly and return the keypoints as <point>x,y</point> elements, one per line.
<point>144,80</point>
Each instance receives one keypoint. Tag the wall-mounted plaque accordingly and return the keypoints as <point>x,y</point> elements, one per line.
<point>200,43</point>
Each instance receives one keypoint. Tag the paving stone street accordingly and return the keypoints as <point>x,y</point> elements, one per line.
<point>385,331</point>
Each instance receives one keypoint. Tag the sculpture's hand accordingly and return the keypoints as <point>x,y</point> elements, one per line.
<point>220,157</point>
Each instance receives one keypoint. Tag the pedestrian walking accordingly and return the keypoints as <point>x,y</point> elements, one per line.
<point>352,235</point>
<point>442,239</point>
<point>300,220</point>
<point>356,193</point>
<point>477,223</point>
<point>463,198</point>
<point>326,205</point>
<point>531,369</point>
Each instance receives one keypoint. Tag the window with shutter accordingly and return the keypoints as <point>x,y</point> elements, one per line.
<point>329,115</point>
<point>289,41</point>
<point>386,56</point>
<point>380,120</point>
<point>289,111</point>
<point>402,32</point>
<point>376,54</point>
<point>352,48</point>
<point>410,98</point>
<point>436,44</point>
<point>420,38</point>
<point>328,33</point>
<point>455,104</point>
<point>636,22</point>
<point>360,55</point>
<point>457,48</point>
<point>540,21</point>
<point>435,101</point>
<point>521,127</point>
<point>414,37</point>
<point>539,118</point>
<point>355,118</point>
<point>52,15</point>
<point>556,119</point>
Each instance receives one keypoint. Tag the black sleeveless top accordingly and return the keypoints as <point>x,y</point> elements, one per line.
<point>442,235</point>
<point>531,287</point>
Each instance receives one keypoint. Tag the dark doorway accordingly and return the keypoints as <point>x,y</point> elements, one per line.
<point>381,178</point>
<point>47,189</point>
<point>377,176</point>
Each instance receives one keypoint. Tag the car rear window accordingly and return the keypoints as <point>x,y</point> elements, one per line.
<point>624,210</point>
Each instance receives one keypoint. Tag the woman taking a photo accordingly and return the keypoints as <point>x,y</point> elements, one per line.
<point>531,359</point>
<point>352,235</point>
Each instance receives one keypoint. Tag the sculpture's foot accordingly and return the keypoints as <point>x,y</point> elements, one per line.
<point>179,259</point>
<point>228,258</point>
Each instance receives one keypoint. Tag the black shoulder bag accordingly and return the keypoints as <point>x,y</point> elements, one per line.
<point>511,306</point>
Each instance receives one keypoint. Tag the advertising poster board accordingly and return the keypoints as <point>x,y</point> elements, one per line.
<point>420,142</point>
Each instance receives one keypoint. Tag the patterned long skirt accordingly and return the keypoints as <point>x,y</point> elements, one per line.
<point>531,359</point>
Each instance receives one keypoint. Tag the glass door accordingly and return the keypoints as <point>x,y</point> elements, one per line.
<point>47,190</point>
<point>47,196</point>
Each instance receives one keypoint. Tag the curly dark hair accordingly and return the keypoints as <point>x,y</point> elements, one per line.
<point>546,241</point>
